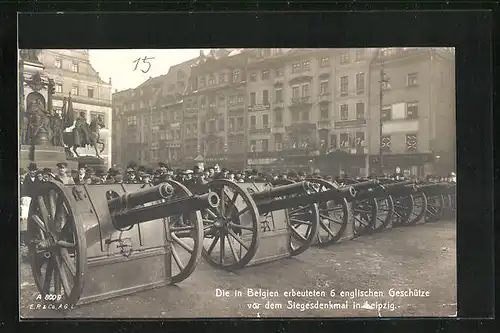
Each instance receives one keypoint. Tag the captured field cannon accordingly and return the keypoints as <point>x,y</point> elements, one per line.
<point>267,222</point>
<point>93,242</point>
<point>439,199</point>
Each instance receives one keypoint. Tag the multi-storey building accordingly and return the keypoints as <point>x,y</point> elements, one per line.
<point>73,74</point>
<point>417,110</point>
<point>214,109</point>
<point>149,118</point>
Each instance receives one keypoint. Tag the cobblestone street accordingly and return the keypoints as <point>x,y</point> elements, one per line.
<point>421,258</point>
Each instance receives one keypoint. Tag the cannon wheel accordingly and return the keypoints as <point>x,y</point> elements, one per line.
<point>338,208</point>
<point>403,209</point>
<point>364,214</point>
<point>225,222</point>
<point>181,228</point>
<point>384,205</point>
<point>56,241</point>
<point>419,209</point>
<point>309,215</point>
<point>435,204</point>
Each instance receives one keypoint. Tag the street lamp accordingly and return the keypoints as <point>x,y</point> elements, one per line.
<point>383,80</point>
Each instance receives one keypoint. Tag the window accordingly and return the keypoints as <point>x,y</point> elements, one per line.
<point>360,83</point>
<point>222,78</point>
<point>265,121</point>
<point>58,63</point>
<point>265,75</point>
<point>265,145</point>
<point>203,101</point>
<point>236,75</point>
<point>359,54</point>
<point>344,112</point>
<point>202,81</point>
<point>323,87</point>
<point>324,62</point>
<point>344,85</point>
<point>306,65</point>
<point>278,140</point>
<point>323,110</point>
<point>253,77</point>
<point>411,142</point>
<point>305,90</point>
<point>132,120</point>
<point>278,117</point>
<point>211,126</point>
<point>305,115</point>
<point>344,58</point>
<point>295,68</point>
<point>221,125</point>
<point>279,95</point>
<point>344,140</point>
<point>203,128</point>
<point>231,124</point>
<point>360,110</point>
<point>253,145</point>
<point>75,67</point>
<point>295,92</point>
<point>211,80</point>
<point>240,99</point>
<point>295,116</point>
<point>386,85</point>
<point>240,123</point>
<point>333,141</point>
<point>59,88</point>
<point>90,92</point>
<point>386,113</point>
<point>74,90</point>
<point>253,122</point>
<point>222,101</point>
<point>279,72</point>
<point>412,79</point>
<point>385,143</point>
<point>265,97</point>
<point>412,110</point>
<point>252,98</point>
<point>360,139</point>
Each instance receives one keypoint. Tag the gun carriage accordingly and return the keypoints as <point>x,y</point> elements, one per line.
<point>93,242</point>
<point>441,200</point>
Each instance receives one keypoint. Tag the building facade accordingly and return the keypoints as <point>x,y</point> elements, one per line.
<point>73,74</point>
<point>417,110</point>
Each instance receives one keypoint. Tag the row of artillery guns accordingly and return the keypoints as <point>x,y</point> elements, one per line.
<point>93,242</point>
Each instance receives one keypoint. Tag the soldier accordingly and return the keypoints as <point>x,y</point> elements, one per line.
<point>146,178</point>
<point>62,175</point>
<point>118,179</point>
<point>80,177</point>
<point>131,176</point>
<point>82,128</point>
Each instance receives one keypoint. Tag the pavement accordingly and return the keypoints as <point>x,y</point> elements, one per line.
<point>369,276</point>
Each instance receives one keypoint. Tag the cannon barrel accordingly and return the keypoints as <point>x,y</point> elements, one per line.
<point>128,217</point>
<point>364,184</point>
<point>282,190</point>
<point>132,199</point>
<point>404,183</point>
<point>270,205</point>
<point>433,188</point>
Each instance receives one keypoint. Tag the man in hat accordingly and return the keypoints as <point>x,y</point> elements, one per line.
<point>29,181</point>
<point>82,174</point>
<point>146,178</point>
<point>131,176</point>
<point>47,174</point>
<point>62,175</point>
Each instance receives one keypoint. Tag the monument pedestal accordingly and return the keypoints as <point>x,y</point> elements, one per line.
<point>98,164</point>
<point>45,157</point>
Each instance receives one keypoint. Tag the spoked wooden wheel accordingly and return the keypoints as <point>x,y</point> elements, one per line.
<point>334,215</point>
<point>231,231</point>
<point>419,208</point>
<point>185,233</point>
<point>403,208</point>
<point>56,244</point>
<point>435,204</point>
<point>385,213</point>
<point>364,214</point>
<point>303,221</point>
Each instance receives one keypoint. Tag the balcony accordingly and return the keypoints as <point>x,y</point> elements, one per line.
<point>236,107</point>
<point>259,107</point>
<point>279,104</point>
<point>350,92</point>
<point>325,98</point>
<point>324,124</point>
<point>303,75</point>
<point>300,101</point>
<point>350,123</point>
<point>255,130</point>
<point>191,112</point>
<point>279,81</point>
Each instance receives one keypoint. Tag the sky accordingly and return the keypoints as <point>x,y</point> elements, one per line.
<point>119,65</point>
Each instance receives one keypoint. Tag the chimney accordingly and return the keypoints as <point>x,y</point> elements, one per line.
<point>109,80</point>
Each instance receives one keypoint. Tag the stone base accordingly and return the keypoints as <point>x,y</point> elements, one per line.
<point>98,164</point>
<point>45,157</point>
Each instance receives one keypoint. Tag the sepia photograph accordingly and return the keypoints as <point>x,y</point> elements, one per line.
<point>245,183</point>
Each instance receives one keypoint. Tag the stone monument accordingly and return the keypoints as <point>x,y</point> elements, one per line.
<point>39,124</point>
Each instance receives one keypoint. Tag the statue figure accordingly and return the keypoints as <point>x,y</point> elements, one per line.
<point>39,130</point>
<point>81,132</point>
<point>85,134</point>
<point>57,130</point>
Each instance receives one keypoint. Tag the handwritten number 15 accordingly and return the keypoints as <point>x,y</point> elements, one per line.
<point>144,61</point>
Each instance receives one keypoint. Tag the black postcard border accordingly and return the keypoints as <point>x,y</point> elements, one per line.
<point>469,31</point>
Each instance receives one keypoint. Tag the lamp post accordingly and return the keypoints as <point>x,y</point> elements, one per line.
<point>383,80</point>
